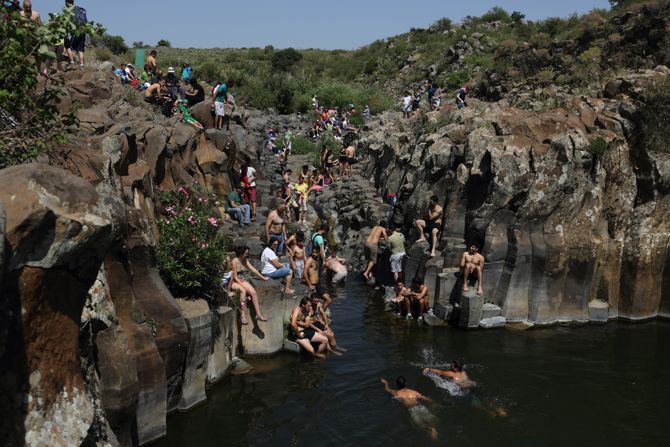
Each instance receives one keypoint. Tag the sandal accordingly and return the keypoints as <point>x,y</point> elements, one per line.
<point>261,318</point>
<point>243,320</point>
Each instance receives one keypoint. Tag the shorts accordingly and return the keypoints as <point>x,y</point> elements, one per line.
<point>339,276</point>
<point>219,108</point>
<point>406,109</point>
<point>250,194</point>
<point>430,226</point>
<point>343,159</point>
<point>396,262</point>
<point>76,43</point>
<point>299,268</point>
<point>351,160</point>
<point>371,251</point>
<point>320,325</point>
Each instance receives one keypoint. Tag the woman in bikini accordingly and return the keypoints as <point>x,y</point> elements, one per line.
<point>235,281</point>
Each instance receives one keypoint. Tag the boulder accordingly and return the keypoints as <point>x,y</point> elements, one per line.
<point>490,310</point>
<point>223,348</point>
<point>119,385</point>
<point>264,338</point>
<point>45,284</point>
<point>470,310</point>
<point>598,311</point>
<point>200,321</point>
<point>493,322</point>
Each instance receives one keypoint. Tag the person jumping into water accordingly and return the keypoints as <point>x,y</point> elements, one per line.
<point>411,399</point>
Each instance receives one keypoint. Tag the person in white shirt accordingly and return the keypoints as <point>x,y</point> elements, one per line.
<point>272,268</point>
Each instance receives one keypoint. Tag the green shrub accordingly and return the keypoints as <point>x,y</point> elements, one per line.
<point>103,54</point>
<point>598,146</point>
<point>655,121</point>
<point>303,146</point>
<point>191,250</point>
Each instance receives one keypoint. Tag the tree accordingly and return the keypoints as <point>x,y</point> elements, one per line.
<point>283,60</point>
<point>517,17</point>
<point>138,44</point>
<point>115,44</point>
<point>164,43</point>
<point>29,119</point>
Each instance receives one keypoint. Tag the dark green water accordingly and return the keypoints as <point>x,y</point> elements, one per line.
<point>594,385</point>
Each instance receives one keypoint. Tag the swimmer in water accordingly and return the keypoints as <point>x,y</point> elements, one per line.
<point>456,374</point>
<point>411,399</point>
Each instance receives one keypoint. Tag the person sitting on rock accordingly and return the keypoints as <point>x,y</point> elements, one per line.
<point>401,300</point>
<point>234,280</point>
<point>372,247</point>
<point>182,107</point>
<point>297,254</point>
<point>472,263</point>
<point>197,95</point>
<point>237,209</point>
<point>431,224</point>
<point>153,94</point>
<point>275,226</point>
<point>320,324</point>
<point>418,299</point>
<point>311,271</point>
<point>396,244</point>
<point>336,266</point>
<point>323,294</point>
<point>272,268</point>
<point>299,330</point>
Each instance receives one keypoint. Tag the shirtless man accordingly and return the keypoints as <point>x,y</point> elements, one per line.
<point>473,263</point>
<point>152,95</point>
<point>275,226</point>
<point>431,224</point>
<point>456,374</point>
<point>418,296</point>
<point>372,246</point>
<point>320,323</point>
<point>401,299</point>
<point>336,265</point>
<point>412,399</point>
<point>297,253</point>
<point>151,62</point>
<point>350,153</point>
<point>300,331</point>
<point>29,13</point>
<point>311,272</point>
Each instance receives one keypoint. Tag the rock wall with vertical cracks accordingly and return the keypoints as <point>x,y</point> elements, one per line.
<point>94,349</point>
<point>565,230</point>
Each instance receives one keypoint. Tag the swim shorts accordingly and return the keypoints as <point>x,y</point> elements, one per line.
<point>299,268</point>
<point>371,251</point>
<point>396,262</point>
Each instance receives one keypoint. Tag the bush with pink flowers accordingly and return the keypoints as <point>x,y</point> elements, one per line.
<point>191,248</point>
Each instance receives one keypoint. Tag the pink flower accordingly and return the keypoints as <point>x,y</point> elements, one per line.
<point>192,220</point>
<point>205,246</point>
<point>213,222</point>
<point>183,191</point>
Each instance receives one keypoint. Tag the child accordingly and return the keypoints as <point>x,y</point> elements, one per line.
<point>297,257</point>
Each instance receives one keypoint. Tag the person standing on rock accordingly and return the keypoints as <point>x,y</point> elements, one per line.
<point>319,240</point>
<point>272,268</point>
<point>297,256</point>
<point>311,272</point>
<point>406,104</point>
<point>372,247</point>
<point>472,263</point>
<point>431,224</point>
<point>248,174</point>
<point>275,226</point>
<point>76,42</point>
<point>219,99</point>
<point>461,97</point>
<point>151,62</point>
<point>396,243</point>
<point>237,209</point>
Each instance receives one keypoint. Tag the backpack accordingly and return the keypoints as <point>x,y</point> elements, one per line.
<point>80,15</point>
<point>310,245</point>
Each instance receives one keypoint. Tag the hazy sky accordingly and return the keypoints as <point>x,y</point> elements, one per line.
<point>345,24</point>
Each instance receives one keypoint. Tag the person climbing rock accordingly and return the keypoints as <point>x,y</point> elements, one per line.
<point>412,399</point>
<point>472,263</point>
<point>372,247</point>
<point>431,224</point>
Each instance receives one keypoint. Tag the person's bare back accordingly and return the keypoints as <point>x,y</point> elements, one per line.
<point>377,233</point>
<point>335,264</point>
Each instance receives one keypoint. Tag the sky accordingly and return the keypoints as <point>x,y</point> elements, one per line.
<point>339,24</point>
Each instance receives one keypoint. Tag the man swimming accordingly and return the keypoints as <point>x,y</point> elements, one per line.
<point>456,374</point>
<point>411,399</point>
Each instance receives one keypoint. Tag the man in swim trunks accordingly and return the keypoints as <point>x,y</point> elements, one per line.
<point>456,374</point>
<point>472,263</point>
<point>297,251</point>
<point>411,399</point>
<point>311,272</point>
<point>350,153</point>
<point>431,224</point>
<point>300,331</point>
<point>320,323</point>
<point>418,298</point>
<point>275,226</point>
<point>372,246</point>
